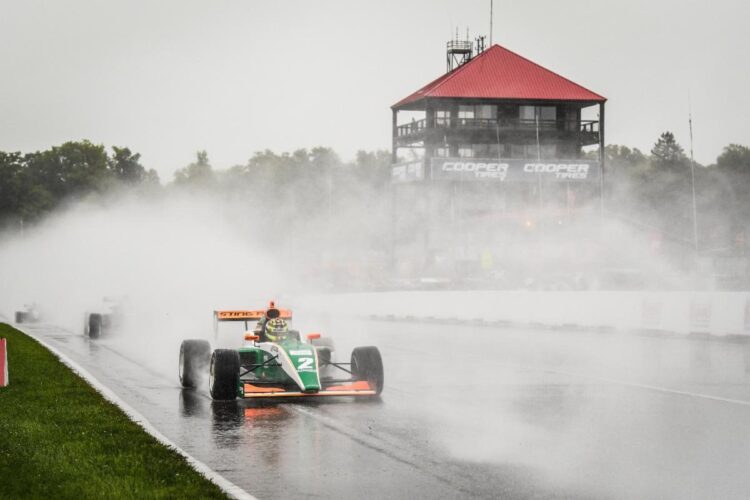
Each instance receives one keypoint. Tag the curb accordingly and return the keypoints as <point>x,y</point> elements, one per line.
<point>224,484</point>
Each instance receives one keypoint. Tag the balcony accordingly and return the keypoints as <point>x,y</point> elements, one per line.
<point>587,131</point>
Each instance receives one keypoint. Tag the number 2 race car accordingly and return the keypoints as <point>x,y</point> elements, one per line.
<point>285,368</point>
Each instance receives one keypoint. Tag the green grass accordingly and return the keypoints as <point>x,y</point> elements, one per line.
<point>59,438</point>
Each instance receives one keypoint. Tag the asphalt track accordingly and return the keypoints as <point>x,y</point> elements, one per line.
<point>467,412</point>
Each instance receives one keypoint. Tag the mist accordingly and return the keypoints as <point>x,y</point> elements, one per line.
<point>174,256</point>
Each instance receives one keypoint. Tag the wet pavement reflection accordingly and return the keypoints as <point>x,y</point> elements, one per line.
<point>471,412</point>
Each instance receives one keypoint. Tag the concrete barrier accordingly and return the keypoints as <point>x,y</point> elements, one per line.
<point>709,313</point>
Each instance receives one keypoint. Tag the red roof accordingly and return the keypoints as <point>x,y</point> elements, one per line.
<point>498,73</point>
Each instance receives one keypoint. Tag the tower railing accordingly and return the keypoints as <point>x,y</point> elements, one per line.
<point>503,124</point>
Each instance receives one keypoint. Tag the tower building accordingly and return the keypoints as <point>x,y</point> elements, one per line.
<point>497,145</point>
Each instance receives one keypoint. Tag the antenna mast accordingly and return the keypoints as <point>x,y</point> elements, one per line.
<point>491,2</point>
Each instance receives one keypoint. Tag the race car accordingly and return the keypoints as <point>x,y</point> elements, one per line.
<point>30,314</point>
<point>287,368</point>
<point>104,318</point>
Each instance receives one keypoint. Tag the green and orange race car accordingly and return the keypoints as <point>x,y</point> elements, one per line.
<point>287,367</point>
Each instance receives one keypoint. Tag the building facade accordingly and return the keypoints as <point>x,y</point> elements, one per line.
<point>489,155</point>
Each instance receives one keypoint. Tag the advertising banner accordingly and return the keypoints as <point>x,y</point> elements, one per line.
<point>651,312</point>
<point>408,172</point>
<point>494,170</point>
<point>700,315</point>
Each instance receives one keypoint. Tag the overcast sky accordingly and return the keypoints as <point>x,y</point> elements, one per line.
<point>170,77</point>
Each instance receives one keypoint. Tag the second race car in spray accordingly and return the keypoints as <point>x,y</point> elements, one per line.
<point>274,362</point>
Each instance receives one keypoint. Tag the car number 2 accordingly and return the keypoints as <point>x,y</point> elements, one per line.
<point>305,363</point>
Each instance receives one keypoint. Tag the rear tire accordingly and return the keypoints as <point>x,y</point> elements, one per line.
<point>194,358</point>
<point>95,326</point>
<point>224,374</point>
<point>367,364</point>
<point>21,317</point>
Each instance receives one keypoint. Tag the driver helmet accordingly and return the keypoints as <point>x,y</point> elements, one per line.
<point>276,329</point>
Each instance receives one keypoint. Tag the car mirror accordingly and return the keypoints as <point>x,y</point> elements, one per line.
<point>252,336</point>
<point>313,336</point>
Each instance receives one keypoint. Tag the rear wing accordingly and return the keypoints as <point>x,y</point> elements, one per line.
<point>249,315</point>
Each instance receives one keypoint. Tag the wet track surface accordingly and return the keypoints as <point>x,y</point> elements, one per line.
<point>467,412</point>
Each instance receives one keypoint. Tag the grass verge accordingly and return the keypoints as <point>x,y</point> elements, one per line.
<point>59,438</point>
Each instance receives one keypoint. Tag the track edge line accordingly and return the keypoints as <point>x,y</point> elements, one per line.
<point>223,483</point>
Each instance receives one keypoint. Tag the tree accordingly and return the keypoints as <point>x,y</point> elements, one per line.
<point>734,158</point>
<point>667,152</point>
<point>323,158</point>
<point>71,169</point>
<point>151,178</point>
<point>616,155</point>
<point>126,166</point>
<point>34,184</point>
<point>373,168</point>
<point>13,188</point>
<point>734,165</point>
<point>198,172</point>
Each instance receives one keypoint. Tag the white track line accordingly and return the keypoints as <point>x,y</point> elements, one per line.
<point>227,486</point>
<point>676,392</point>
<point>636,385</point>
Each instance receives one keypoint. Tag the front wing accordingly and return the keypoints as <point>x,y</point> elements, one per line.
<point>358,388</point>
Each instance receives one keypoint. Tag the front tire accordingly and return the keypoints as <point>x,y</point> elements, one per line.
<point>21,317</point>
<point>224,374</point>
<point>95,326</point>
<point>195,356</point>
<point>367,364</point>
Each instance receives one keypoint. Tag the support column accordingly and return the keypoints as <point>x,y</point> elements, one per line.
<point>429,145</point>
<point>394,148</point>
<point>453,146</point>
<point>427,184</point>
<point>602,157</point>
<point>394,197</point>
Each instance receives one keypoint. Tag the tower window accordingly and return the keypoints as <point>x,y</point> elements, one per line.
<point>545,113</point>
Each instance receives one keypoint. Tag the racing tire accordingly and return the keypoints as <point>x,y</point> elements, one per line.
<point>95,326</point>
<point>367,364</point>
<point>224,374</point>
<point>194,358</point>
<point>21,317</point>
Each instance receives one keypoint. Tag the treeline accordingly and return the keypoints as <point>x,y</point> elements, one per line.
<point>655,192</point>
<point>34,184</point>
<point>313,174</point>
